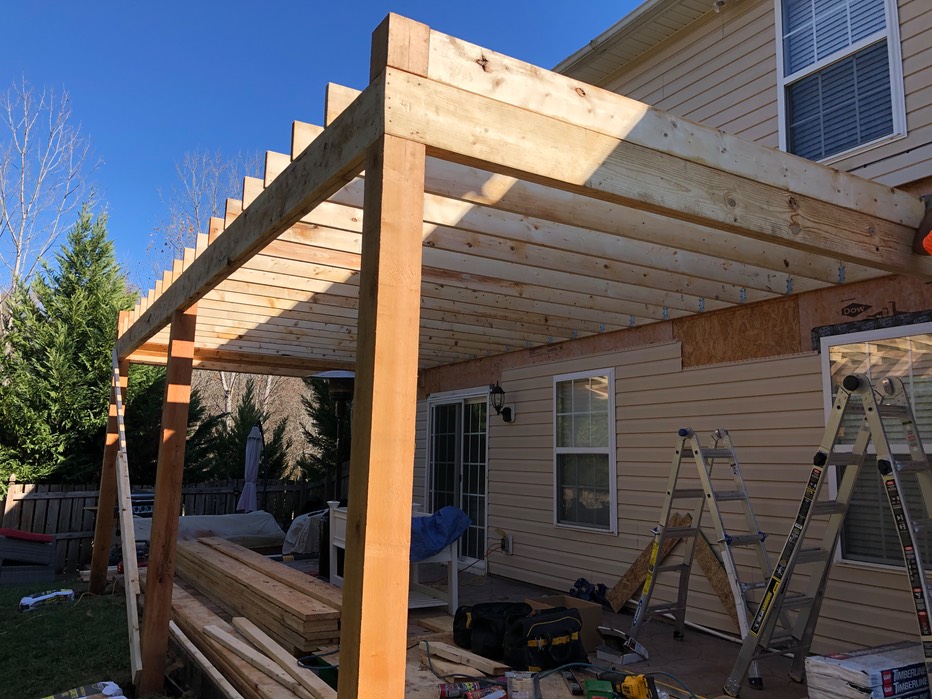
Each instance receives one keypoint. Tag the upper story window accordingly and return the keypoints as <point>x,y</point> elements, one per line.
<point>840,73</point>
<point>584,450</point>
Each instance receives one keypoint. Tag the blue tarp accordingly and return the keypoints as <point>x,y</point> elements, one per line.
<point>430,535</point>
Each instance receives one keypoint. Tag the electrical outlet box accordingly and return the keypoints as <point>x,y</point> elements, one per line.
<point>507,544</point>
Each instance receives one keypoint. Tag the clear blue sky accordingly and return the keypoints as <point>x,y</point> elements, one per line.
<point>149,82</point>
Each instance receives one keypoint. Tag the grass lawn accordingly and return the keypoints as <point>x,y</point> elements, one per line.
<point>63,646</point>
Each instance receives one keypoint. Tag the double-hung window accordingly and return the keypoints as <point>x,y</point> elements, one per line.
<point>869,534</point>
<point>584,450</point>
<point>840,75</point>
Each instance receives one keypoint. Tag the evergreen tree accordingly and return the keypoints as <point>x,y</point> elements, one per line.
<point>144,397</point>
<point>318,463</point>
<point>55,370</point>
<point>229,457</point>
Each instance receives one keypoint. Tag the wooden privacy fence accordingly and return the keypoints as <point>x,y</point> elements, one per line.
<point>68,511</point>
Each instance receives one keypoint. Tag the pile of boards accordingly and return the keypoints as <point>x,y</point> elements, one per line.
<point>240,659</point>
<point>299,612</point>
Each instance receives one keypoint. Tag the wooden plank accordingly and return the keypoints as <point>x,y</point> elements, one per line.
<point>106,498</point>
<point>463,657</point>
<point>440,624</point>
<point>313,176</point>
<point>191,614</point>
<point>447,668</point>
<point>219,681</point>
<point>127,532</point>
<point>164,531</point>
<point>257,660</point>
<point>375,593</point>
<point>717,576</point>
<point>330,595</point>
<point>634,577</point>
<point>307,678</point>
<point>479,130</point>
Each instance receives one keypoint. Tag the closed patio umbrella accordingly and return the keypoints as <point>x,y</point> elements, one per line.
<point>247,500</point>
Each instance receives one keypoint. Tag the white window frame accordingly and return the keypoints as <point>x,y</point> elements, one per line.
<point>609,451</point>
<point>826,343</point>
<point>894,57</point>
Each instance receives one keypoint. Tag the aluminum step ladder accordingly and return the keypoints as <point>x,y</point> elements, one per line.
<point>890,408</point>
<point>721,450</point>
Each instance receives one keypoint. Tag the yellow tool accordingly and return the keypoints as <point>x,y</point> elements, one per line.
<point>639,687</point>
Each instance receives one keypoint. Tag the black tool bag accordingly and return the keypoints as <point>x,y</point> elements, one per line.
<point>546,639</point>
<point>481,627</point>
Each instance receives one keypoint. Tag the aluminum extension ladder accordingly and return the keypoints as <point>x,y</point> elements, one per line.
<point>721,450</point>
<point>894,407</point>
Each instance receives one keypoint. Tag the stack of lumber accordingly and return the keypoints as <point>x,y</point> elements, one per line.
<point>299,612</point>
<point>241,660</point>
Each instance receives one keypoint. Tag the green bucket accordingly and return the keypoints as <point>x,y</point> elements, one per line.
<point>320,667</point>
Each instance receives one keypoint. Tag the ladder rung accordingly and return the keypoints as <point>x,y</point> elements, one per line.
<point>670,568</point>
<point>670,532</point>
<point>828,507</point>
<point>745,539</point>
<point>843,458</point>
<point>746,587</point>
<point>796,601</point>
<point>782,644</point>
<point>811,556</point>
<point>892,410</point>
<point>912,466</point>
<point>688,493</point>
<point>710,453</point>
<point>727,495</point>
<point>664,608</point>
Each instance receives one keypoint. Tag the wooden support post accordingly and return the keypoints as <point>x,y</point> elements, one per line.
<point>106,499</point>
<point>375,596</point>
<point>162,544</point>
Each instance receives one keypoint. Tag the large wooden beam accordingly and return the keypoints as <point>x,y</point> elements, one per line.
<point>375,598</point>
<point>323,167</point>
<point>163,539</point>
<point>479,130</point>
<point>514,82</point>
<point>106,500</point>
<point>462,185</point>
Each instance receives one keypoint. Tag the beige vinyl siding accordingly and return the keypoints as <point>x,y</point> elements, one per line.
<point>722,73</point>
<point>774,411</point>
<point>420,455</point>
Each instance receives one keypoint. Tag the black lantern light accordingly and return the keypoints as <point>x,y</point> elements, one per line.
<point>497,399</point>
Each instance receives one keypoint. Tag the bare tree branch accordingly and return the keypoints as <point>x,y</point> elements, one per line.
<point>41,179</point>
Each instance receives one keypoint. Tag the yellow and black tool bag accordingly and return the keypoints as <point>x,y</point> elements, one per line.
<point>547,638</point>
<point>481,627</point>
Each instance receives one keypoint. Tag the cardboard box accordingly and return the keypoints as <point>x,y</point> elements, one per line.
<point>590,612</point>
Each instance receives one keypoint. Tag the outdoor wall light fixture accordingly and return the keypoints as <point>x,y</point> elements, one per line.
<point>497,399</point>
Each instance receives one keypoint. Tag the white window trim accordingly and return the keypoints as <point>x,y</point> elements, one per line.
<point>825,344</point>
<point>612,453</point>
<point>897,95</point>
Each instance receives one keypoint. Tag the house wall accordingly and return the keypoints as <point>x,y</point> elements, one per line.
<point>721,71</point>
<point>726,369</point>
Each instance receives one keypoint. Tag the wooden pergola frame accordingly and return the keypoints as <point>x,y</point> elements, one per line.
<point>467,204</point>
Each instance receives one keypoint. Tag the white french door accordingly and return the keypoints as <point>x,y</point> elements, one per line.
<point>456,465</point>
